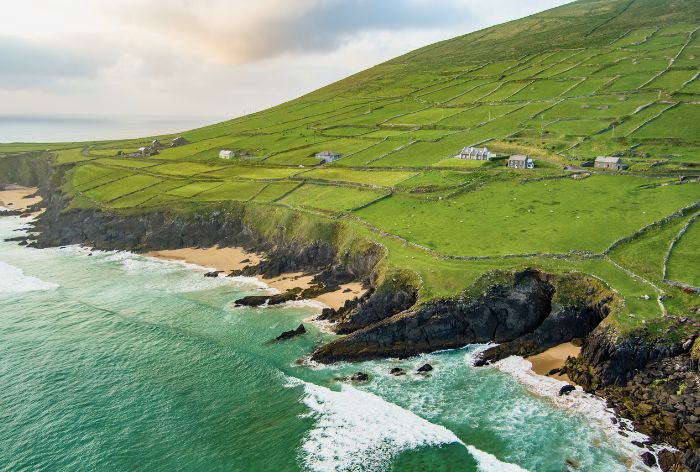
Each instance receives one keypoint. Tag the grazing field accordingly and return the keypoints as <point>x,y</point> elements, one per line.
<point>589,79</point>
<point>684,263</point>
<point>326,197</point>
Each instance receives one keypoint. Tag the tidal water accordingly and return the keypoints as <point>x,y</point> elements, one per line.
<point>113,361</point>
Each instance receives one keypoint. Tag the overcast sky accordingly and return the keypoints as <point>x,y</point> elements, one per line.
<point>215,58</point>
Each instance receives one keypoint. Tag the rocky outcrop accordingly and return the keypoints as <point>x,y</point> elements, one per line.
<point>578,306</point>
<point>291,333</point>
<point>397,293</point>
<point>609,359</point>
<point>508,306</point>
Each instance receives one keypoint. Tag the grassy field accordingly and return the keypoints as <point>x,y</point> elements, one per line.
<point>586,79</point>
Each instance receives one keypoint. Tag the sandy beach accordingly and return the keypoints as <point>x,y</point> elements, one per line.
<point>14,198</point>
<point>229,259</point>
<point>554,358</point>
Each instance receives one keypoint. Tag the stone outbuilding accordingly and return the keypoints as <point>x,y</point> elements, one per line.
<point>609,163</point>
<point>521,162</point>
<point>179,141</point>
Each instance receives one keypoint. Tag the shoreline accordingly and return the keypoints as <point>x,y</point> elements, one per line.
<point>230,259</point>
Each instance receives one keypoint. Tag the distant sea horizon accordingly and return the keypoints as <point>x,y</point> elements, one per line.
<point>69,128</point>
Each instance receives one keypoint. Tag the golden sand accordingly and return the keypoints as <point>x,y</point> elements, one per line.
<point>230,258</point>
<point>15,199</point>
<point>554,358</point>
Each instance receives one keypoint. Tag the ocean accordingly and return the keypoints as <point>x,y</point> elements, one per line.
<point>43,129</point>
<point>114,361</point>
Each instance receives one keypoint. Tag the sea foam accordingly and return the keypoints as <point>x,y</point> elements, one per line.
<point>13,280</point>
<point>357,430</point>
<point>578,402</point>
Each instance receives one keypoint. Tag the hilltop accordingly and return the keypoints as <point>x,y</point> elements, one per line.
<point>424,228</point>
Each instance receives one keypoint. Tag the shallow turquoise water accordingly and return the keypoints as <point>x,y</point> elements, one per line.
<point>118,362</point>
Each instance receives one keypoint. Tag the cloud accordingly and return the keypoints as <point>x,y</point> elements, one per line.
<point>238,32</point>
<point>24,60</point>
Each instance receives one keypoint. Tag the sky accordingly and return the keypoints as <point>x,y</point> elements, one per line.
<point>210,58</point>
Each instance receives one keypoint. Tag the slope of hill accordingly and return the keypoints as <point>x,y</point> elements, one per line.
<point>594,77</point>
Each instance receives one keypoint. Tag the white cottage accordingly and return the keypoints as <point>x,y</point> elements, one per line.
<point>226,154</point>
<point>476,154</point>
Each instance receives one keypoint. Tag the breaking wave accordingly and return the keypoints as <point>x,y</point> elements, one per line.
<point>13,280</point>
<point>357,430</point>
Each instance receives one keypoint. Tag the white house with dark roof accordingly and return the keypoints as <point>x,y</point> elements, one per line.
<point>520,162</point>
<point>476,154</point>
<point>609,163</point>
<point>327,156</point>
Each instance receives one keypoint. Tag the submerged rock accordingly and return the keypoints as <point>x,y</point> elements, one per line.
<point>425,368</point>
<point>291,333</point>
<point>397,371</point>
<point>359,377</point>
<point>212,274</point>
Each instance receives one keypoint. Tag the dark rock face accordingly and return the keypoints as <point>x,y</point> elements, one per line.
<point>503,314</point>
<point>397,371</point>
<point>425,368</point>
<point>562,325</point>
<point>379,306</point>
<point>610,360</point>
<point>213,274</point>
<point>649,459</point>
<point>292,333</point>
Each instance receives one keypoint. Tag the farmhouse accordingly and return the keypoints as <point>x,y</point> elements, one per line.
<point>476,154</point>
<point>609,163</point>
<point>155,144</point>
<point>521,162</point>
<point>146,151</point>
<point>226,154</point>
<point>327,156</point>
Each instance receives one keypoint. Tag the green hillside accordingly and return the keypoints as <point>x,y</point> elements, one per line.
<point>591,78</point>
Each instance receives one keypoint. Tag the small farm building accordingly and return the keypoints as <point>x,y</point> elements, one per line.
<point>609,163</point>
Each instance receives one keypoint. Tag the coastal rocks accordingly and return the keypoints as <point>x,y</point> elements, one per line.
<point>609,359</point>
<point>359,377</point>
<point>649,459</point>
<point>663,400</point>
<point>511,305</point>
<point>293,294</point>
<point>566,389</point>
<point>395,295</point>
<point>292,333</point>
<point>212,275</point>
<point>397,371</point>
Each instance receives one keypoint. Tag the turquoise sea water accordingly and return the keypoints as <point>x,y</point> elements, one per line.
<point>113,361</point>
